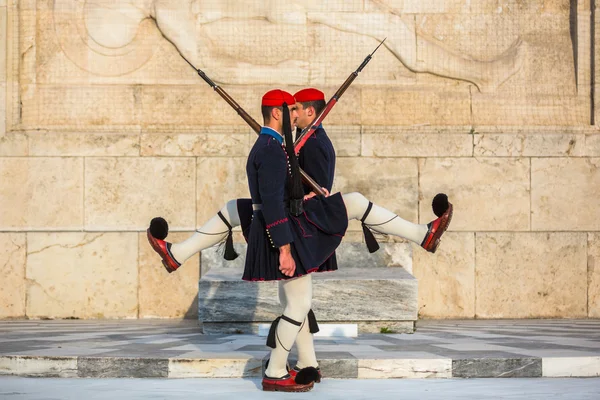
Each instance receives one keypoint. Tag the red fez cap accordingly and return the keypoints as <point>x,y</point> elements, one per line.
<point>309,94</point>
<point>276,98</point>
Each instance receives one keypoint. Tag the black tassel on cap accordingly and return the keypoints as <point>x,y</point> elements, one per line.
<point>370,240</point>
<point>159,228</point>
<point>440,204</point>
<point>230,253</point>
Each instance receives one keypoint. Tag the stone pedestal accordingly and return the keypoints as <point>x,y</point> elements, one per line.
<point>375,291</point>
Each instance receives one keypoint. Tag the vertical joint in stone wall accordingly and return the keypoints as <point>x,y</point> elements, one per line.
<point>574,37</point>
<point>592,62</point>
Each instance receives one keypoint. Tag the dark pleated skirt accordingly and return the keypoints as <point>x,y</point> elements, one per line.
<point>317,233</point>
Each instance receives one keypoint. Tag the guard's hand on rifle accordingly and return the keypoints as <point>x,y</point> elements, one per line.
<point>287,265</point>
<point>313,194</point>
<point>309,196</point>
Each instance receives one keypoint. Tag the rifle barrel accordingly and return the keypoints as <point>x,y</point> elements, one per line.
<point>309,130</point>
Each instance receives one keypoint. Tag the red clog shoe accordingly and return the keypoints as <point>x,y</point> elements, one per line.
<point>163,250</point>
<point>285,384</point>
<point>436,229</point>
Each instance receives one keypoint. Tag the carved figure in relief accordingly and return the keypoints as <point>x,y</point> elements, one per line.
<point>113,28</point>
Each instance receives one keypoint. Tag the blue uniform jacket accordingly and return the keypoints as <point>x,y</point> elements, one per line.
<point>317,159</point>
<point>267,170</point>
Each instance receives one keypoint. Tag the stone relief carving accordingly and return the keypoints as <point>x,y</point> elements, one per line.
<point>116,37</point>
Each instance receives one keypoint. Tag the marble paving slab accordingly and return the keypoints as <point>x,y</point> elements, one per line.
<point>437,349</point>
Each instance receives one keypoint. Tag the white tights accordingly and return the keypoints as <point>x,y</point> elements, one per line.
<point>379,219</point>
<point>296,294</point>
<point>304,340</point>
<point>211,233</point>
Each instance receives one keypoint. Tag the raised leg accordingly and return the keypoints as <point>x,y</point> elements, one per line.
<point>382,220</point>
<point>210,234</point>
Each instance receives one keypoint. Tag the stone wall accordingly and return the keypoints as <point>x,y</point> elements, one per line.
<point>105,126</point>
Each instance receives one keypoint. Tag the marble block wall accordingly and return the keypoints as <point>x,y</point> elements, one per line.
<point>103,126</point>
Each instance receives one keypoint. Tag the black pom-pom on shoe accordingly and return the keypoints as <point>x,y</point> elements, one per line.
<point>159,228</point>
<point>307,375</point>
<point>439,204</point>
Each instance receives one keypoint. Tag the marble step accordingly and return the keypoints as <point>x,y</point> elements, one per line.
<point>375,291</point>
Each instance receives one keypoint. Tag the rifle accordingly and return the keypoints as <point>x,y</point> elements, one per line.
<point>309,130</point>
<point>252,122</point>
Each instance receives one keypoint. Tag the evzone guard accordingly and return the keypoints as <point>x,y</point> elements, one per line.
<point>292,234</point>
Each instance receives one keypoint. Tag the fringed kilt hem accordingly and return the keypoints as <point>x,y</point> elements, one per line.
<point>317,233</point>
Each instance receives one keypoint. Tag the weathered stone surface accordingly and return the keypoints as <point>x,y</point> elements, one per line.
<point>487,193</point>
<point>339,368</point>
<point>126,193</point>
<point>407,368</point>
<point>12,269</point>
<point>565,187</point>
<point>227,174</point>
<point>179,107</point>
<point>83,144</point>
<point>72,51</point>
<point>214,368</point>
<point>388,182</point>
<point>529,109</point>
<point>385,71</point>
<point>34,366</point>
<point>81,107</point>
<point>411,107</point>
<point>92,275</point>
<point>390,326</point>
<point>531,275</point>
<point>555,367</point>
<point>593,275</point>
<point>13,144</point>
<point>447,278</point>
<point>392,292</point>
<point>42,193</point>
<point>419,7</point>
<point>345,139</point>
<point>417,145</point>
<point>592,145</point>
<point>164,295</point>
<point>224,141</point>
<point>3,109</point>
<point>3,29</point>
<point>497,368</point>
<point>528,145</point>
<point>121,367</point>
